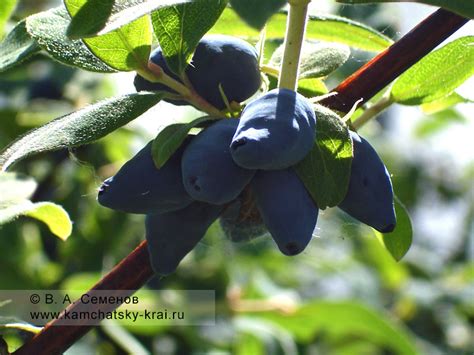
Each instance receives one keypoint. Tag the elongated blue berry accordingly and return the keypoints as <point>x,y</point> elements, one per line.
<point>276,131</point>
<point>370,195</point>
<point>209,172</point>
<point>139,187</point>
<point>172,235</point>
<point>286,207</point>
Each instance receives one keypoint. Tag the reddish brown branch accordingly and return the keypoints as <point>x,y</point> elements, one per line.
<point>132,272</point>
<point>388,65</point>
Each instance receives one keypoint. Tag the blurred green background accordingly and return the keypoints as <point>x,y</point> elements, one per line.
<point>343,295</point>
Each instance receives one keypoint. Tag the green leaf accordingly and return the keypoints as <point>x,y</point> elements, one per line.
<point>399,241</point>
<point>170,138</point>
<point>54,216</point>
<point>318,59</point>
<point>16,47</point>
<point>14,323</point>
<point>325,171</point>
<point>312,87</point>
<point>231,24</point>
<point>125,49</point>
<point>321,59</point>
<point>80,127</point>
<point>343,320</point>
<point>121,13</point>
<point>49,30</point>
<point>438,121</point>
<point>6,9</point>
<point>342,30</point>
<point>248,343</point>
<point>256,12</point>
<point>179,29</point>
<point>444,103</point>
<point>87,16</point>
<point>15,187</point>
<point>436,75</point>
<point>322,27</point>
<point>461,7</point>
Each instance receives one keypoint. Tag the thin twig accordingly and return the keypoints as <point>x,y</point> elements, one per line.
<point>372,112</point>
<point>130,274</point>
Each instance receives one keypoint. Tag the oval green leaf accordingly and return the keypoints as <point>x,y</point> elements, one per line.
<point>115,14</point>
<point>48,29</point>
<point>436,75</point>
<point>328,28</point>
<point>54,216</point>
<point>399,241</point>
<point>16,47</point>
<point>126,48</point>
<point>325,171</point>
<point>318,59</point>
<point>179,29</point>
<point>80,127</point>
<point>171,137</point>
<point>461,7</point>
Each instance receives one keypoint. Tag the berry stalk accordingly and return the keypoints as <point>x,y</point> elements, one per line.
<point>373,111</point>
<point>156,74</point>
<point>295,31</point>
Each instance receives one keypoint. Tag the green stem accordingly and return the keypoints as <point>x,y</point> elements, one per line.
<point>156,74</point>
<point>198,101</point>
<point>373,111</point>
<point>295,30</point>
<point>267,69</point>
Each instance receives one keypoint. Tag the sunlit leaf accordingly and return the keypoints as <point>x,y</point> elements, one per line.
<point>13,323</point>
<point>461,7</point>
<point>322,27</point>
<point>87,16</point>
<point>444,103</point>
<point>179,29</point>
<point>399,241</point>
<point>437,75</point>
<point>325,171</point>
<point>90,21</point>
<point>437,122</point>
<point>312,87</point>
<point>126,48</point>
<point>6,9</point>
<point>249,344</point>
<point>54,216</point>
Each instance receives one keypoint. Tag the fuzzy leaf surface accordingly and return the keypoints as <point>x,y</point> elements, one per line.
<point>80,127</point>
<point>325,171</point>
<point>436,75</point>
<point>48,29</point>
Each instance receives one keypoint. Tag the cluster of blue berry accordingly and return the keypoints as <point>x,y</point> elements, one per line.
<point>209,175</point>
